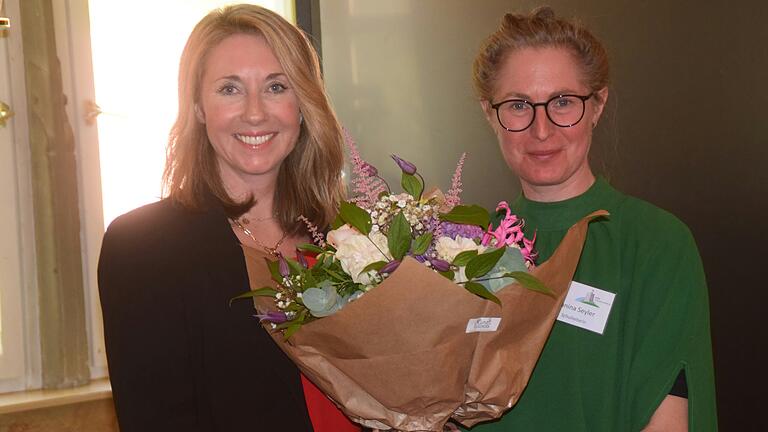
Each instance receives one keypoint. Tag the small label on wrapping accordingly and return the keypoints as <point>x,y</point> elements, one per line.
<point>484,324</point>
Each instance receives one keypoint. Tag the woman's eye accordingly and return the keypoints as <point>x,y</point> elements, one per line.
<point>227,89</point>
<point>518,106</point>
<point>277,88</point>
<point>562,102</point>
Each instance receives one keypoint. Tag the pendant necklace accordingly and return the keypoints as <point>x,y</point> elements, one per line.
<point>274,250</point>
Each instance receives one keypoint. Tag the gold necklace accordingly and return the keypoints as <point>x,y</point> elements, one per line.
<point>274,251</point>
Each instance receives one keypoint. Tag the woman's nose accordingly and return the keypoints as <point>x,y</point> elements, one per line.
<point>254,109</point>
<point>542,127</point>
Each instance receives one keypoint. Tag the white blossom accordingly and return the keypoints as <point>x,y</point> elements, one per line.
<point>447,248</point>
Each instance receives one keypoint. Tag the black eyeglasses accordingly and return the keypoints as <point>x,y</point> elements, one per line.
<point>517,115</point>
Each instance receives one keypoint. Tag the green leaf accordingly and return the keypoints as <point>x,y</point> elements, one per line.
<point>337,222</point>
<point>324,260</point>
<point>308,280</point>
<point>469,215</point>
<point>421,244</point>
<point>530,282</point>
<point>299,320</point>
<point>399,236</point>
<point>294,265</point>
<point>293,328</point>
<point>261,292</point>
<point>412,185</point>
<point>496,218</point>
<point>356,217</point>
<point>336,276</point>
<point>274,270</point>
<point>463,258</point>
<point>309,247</point>
<point>447,274</point>
<point>483,263</point>
<point>477,289</point>
<point>511,261</point>
<point>373,266</point>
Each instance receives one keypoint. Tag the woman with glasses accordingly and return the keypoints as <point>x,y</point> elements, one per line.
<point>543,84</point>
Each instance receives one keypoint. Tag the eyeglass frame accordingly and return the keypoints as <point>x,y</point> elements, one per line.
<point>546,110</point>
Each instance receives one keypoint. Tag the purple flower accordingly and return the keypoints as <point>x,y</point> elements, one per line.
<point>282,266</point>
<point>440,265</point>
<point>450,229</point>
<point>302,260</point>
<point>404,165</point>
<point>276,317</point>
<point>390,267</point>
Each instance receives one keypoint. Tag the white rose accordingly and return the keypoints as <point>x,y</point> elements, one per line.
<point>340,234</point>
<point>356,251</point>
<point>447,248</point>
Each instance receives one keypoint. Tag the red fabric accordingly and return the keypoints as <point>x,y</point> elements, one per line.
<point>325,416</point>
<point>323,413</point>
<point>311,260</point>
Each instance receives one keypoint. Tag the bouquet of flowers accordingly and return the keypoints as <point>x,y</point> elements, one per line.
<point>413,312</point>
<point>372,236</point>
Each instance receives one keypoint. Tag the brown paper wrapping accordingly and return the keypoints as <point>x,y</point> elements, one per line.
<point>399,356</point>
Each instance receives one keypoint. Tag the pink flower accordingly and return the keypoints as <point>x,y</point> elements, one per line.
<point>508,233</point>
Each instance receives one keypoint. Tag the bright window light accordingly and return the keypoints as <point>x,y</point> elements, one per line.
<point>136,47</point>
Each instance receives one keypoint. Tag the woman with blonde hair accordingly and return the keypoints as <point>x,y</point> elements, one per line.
<point>543,82</point>
<point>255,145</point>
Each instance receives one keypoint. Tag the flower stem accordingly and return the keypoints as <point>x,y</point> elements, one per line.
<point>386,258</point>
<point>389,190</point>
<point>423,185</point>
<point>485,279</point>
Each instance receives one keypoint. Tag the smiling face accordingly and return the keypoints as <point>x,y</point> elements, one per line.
<point>551,161</point>
<point>250,111</point>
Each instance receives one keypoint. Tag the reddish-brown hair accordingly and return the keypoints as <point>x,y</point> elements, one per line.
<point>539,29</point>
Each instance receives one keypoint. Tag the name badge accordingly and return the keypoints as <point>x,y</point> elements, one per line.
<point>484,324</point>
<point>586,307</point>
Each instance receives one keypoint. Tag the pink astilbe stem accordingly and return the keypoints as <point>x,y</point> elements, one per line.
<point>366,187</point>
<point>317,237</point>
<point>452,198</point>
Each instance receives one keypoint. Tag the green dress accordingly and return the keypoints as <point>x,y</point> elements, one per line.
<point>658,325</point>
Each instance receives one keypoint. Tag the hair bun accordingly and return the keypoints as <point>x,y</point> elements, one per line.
<point>511,20</point>
<point>544,13</point>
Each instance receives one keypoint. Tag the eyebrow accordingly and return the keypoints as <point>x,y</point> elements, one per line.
<point>516,95</point>
<point>237,77</point>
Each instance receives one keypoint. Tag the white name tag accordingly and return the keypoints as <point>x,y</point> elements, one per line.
<point>586,307</point>
<point>483,324</point>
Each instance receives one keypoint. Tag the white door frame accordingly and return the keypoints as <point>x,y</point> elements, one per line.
<point>20,317</point>
<point>72,24</point>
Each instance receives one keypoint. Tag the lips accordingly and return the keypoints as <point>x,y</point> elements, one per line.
<point>543,154</point>
<point>254,141</point>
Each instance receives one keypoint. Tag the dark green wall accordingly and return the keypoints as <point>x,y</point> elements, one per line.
<point>685,128</point>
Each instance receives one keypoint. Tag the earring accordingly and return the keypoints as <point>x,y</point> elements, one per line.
<point>301,118</point>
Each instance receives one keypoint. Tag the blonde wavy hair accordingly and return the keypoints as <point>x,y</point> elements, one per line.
<point>309,182</point>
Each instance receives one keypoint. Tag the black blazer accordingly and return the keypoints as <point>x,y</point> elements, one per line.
<point>181,359</point>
